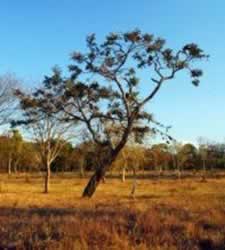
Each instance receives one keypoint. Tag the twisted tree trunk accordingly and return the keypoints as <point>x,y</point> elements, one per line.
<point>93,183</point>
<point>109,157</point>
<point>97,177</point>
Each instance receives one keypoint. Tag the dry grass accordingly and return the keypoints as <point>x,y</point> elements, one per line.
<point>166,214</point>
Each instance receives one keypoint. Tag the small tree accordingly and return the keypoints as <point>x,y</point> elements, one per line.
<point>161,156</point>
<point>174,148</point>
<point>16,148</point>
<point>203,152</point>
<point>188,156</point>
<point>11,147</point>
<point>49,131</point>
<point>104,88</point>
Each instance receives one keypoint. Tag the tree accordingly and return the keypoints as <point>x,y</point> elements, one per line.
<point>203,147</point>
<point>16,148</point>
<point>63,160</point>
<point>11,147</point>
<point>29,151</point>
<point>79,154</point>
<point>174,148</point>
<point>49,131</point>
<point>103,89</point>
<point>161,156</point>
<point>7,98</point>
<point>216,154</point>
<point>132,158</point>
<point>188,155</point>
<point>5,147</point>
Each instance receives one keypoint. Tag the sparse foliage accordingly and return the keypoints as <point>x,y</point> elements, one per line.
<point>46,125</point>
<point>104,89</point>
<point>7,98</point>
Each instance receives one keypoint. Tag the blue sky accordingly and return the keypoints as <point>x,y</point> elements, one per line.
<point>36,35</point>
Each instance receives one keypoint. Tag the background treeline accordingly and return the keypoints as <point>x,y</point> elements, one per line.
<point>20,155</point>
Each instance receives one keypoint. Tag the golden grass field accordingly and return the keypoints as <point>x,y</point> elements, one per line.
<point>165,214</point>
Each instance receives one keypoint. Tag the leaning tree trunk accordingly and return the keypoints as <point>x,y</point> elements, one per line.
<point>110,156</point>
<point>99,174</point>
<point>47,178</point>
<point>94,181</point>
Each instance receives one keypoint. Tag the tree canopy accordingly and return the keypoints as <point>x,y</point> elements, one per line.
<point>103,89</point>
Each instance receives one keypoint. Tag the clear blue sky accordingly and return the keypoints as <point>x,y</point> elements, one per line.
<point>36,35</point>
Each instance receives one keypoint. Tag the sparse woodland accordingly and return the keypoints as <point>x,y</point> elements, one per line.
<point>87,133</point>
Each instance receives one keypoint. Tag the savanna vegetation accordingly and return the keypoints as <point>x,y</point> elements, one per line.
<point>89,128</point>
<point>166,213</point>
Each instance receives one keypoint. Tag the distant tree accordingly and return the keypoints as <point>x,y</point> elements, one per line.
<point>63,160</point>
<point>5,147</point>
<point>174,148</point>
<point>216,155</point>
<point>84,157</point>
<point>149,159</point>
<point>188,155</point>
<point>161,156</point>
<point>132,158</point>
<point>104,89</point>
<point>16,145</point>
<point>203,147</point>
<point>11,148</point>
<point>29,151</point>
<point>79,155</point>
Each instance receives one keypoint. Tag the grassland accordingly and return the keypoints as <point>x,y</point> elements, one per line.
<point>165,214</point>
